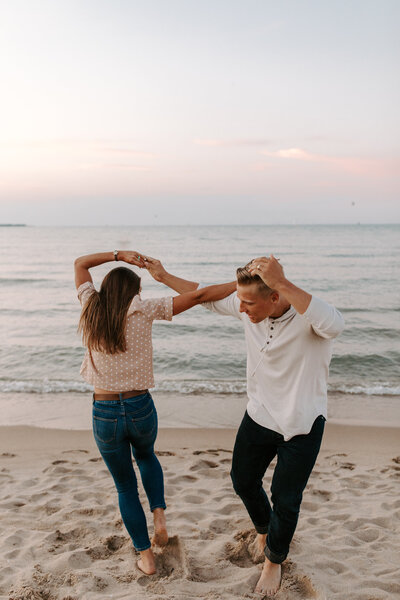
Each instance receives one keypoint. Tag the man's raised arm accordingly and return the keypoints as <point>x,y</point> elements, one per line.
<point>157,271</point>
<point>324,318</point>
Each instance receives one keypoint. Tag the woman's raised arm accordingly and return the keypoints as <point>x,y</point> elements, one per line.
<point>84,263</point>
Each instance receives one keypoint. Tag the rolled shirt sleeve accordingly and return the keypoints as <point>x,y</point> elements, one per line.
<point>158,309</point>
<point>325,319</point>
<point>85,290</point>
<point>228,306</point>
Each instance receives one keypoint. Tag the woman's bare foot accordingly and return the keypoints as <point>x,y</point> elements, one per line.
<point>270,579</point>
<point>146,563</point>
<point>160,537</point>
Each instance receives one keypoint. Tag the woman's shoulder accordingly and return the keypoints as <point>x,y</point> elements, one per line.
<point>84,291</point>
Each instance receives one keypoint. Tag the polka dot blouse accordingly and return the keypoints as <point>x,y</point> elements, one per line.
<point>133,369</point>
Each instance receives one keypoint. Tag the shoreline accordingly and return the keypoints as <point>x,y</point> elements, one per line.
<point>73,411</point>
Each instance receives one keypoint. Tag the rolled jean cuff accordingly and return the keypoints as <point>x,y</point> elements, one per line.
<point>261,528</point>
<point>273,556</point>
<point>143,548</point>
<point>163,505</point>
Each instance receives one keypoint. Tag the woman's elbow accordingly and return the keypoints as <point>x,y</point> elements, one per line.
<point>78,262</point>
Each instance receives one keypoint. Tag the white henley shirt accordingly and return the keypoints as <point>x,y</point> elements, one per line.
<point>287,364</point>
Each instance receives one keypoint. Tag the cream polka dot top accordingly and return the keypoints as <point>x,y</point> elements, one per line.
<point>133,369</point>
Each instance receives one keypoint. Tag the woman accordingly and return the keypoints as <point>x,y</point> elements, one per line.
<point>116,329</point>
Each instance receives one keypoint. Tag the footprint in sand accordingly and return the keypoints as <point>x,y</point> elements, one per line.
<point>194,499</point>
<point>295,583</point>
<point>385,522</point>
<point>368,535</point>
<point>333,567</point>
<point>107,547</point>
<point>220,525</point>
<point>203,464</point>
<point>239,553</point>
<point>30,482</point>
<point>203,491</point>
<point>333,455</point>
<point>322,493</point>
<point>171,560</point>
<point>16,542</point>
<point>228,509</point>
<point>212,451</point>
<point>16,503</point>
<point>183,479</point>
<point>313,506</point>
<point>55,469</point>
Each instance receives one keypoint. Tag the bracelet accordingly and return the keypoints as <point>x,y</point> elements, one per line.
<point>115,254</point>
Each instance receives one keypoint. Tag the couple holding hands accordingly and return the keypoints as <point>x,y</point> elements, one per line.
<point>289,336</point>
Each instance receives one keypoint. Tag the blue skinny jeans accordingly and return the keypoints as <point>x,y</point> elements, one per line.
<point>121,427</point>
<point>255,447</point>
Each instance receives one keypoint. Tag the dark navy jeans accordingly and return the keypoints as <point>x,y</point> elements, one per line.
<point>255,447</point>
<point>121,427</point>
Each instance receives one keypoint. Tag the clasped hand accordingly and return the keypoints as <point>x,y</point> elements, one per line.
<point>154,266</point>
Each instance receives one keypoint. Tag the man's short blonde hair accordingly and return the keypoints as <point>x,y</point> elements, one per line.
<point>244,277</point>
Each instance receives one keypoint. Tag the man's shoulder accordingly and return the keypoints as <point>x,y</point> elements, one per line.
<point>226,306</point>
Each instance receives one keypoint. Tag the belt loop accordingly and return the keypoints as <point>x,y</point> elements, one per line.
<point>121,401</point>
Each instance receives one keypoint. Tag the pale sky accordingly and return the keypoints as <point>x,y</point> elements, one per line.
<point>161,112</point>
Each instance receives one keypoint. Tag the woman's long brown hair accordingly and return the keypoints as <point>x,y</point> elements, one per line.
<point>103,319</point>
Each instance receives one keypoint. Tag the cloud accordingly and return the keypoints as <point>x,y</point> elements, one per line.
<point>127,152</point>
<point>232,143</point>
<point>113,166</point>
<point>350,164</point>
<point>296,153</point>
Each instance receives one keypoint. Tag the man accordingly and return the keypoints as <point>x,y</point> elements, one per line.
<point>289,337</point>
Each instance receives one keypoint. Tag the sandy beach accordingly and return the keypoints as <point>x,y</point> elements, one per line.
<point>62,536</point>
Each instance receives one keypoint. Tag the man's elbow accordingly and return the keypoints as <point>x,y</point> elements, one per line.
<point>336,329</point>
<point>341,325</point>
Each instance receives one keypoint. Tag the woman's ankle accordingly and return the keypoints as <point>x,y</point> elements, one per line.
<point>160,537</point>
<point>147,562</point>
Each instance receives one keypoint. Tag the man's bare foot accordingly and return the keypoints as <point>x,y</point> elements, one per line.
<point>160,537</point>
<point>256,548</point>
<point>270,579</point>
<point>146,563</point>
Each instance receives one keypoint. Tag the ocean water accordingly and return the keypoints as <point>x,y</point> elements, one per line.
<point>357,268</point>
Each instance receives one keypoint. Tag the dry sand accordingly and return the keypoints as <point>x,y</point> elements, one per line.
<point>62,536</point>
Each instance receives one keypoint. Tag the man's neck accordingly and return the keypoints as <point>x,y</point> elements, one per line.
<point>281,310</point>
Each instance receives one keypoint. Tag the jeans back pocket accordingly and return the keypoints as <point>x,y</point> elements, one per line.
<point>145,427</point>
<point>104,429</point>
